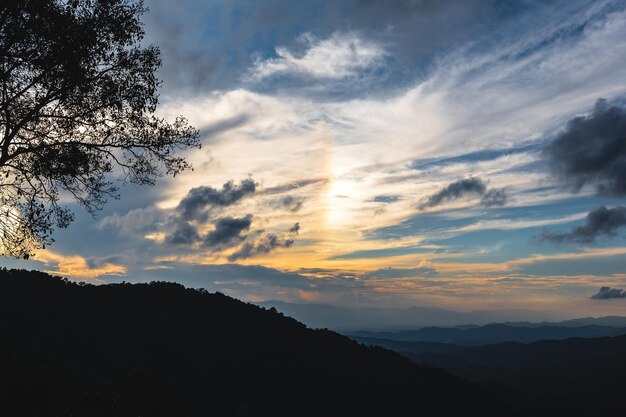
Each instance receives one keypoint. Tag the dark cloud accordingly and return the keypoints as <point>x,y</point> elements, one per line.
<point>423,271</point>
<point>606,293</point>
<point>195,213</point>
<point>592,150</point>
<point>227,232</point>
<point>194,210</point>
<point>456,190</point>
<point>599,222</point>
<point>266,244</point>
<point>463,188</point>
<point>183,233</point>
<point>494,197</point>
<point>392,198</point>
<point>198,201</point>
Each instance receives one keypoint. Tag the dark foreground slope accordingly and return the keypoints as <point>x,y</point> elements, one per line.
<point>162,350</point>
<point>581,375</point>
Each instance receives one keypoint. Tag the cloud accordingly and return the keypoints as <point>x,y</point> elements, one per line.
<point>182,233</point>
<point>136,220</point>
<point>227,231</point>
<point>173,26</point>
<point>290,203</point>
<point>342,55</point>
<point>592,150</point>
<point>266,244</point>
<point>423,271</point>
<point>391,198</point>
<point>78,267</point>
<point>255,282</point>
<point>494,197</point>
<point>294,185</point>
<point>606,293</point>
<point>599,222</point>
<point>195,205</point>
<point>205,45</point>
<point>590,262</point>
<point>463,188</point>
<point>456,190</point>
<point>193,215</point>
<point>100,262</point>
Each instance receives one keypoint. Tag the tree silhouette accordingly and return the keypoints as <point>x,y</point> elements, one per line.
<point>78,93</point>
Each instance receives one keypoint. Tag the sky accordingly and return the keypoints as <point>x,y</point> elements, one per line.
<point>458,154</point>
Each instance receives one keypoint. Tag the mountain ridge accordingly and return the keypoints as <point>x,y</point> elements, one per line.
<point>161,349</point>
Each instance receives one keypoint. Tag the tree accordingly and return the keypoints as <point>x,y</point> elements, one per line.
<point>77,102</point>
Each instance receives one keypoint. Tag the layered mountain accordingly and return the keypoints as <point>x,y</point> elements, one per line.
<point>584,376</point>
<point>489,334</point>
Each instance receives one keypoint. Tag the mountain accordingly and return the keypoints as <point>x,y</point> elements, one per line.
<point>352,319</point>
<point>579,376</point>
<point>607,321</point>
<point>610,321</point>
<point>489,334</point>
<point>160,349</point>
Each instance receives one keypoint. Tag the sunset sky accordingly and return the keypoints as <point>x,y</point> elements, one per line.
<point>461,154</point>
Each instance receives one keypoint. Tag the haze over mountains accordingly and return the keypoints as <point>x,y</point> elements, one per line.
<point>338,318</point>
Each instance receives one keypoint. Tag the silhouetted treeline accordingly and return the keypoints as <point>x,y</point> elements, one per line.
<point>160,349</point>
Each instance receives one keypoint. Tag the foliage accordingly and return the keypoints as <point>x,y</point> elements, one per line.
<point>78,93</point>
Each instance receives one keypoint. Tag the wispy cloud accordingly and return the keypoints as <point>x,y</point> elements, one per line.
<point>341,55</point>
<point>78,267</point>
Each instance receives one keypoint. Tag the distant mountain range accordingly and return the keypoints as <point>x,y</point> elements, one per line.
<point>350,319</point>
<point>609,321</point>
<point>578,371</point>
<point>490,334</point>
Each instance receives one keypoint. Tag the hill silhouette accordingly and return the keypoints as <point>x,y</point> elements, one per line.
<point>160,349</point>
